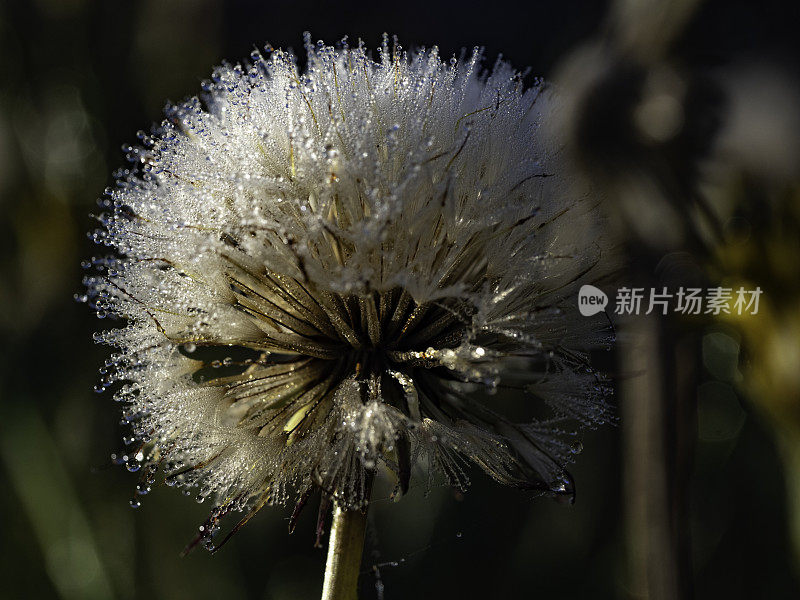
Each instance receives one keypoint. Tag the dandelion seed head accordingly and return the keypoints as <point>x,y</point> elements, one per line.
<point>349,269</point>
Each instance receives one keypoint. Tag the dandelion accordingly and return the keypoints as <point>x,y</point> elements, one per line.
<point>350,270</point>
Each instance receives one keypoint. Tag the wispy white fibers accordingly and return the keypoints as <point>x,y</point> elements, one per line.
<point>351,269</point>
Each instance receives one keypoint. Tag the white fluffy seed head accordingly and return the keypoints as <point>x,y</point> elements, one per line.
<point>349,269</point>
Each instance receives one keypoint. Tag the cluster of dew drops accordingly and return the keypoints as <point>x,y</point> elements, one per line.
<point>138,455</point>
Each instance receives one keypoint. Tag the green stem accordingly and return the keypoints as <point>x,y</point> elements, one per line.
<point>345,547</point>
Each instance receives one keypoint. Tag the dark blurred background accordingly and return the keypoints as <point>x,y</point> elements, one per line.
<point>79,78</point>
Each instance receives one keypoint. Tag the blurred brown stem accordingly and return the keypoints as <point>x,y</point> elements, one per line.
<point>658,425</point>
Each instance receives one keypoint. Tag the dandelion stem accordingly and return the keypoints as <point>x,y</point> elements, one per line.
<point>345,547</point>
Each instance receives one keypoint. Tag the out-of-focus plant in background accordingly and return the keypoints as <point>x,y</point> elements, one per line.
<point>700,165</point>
